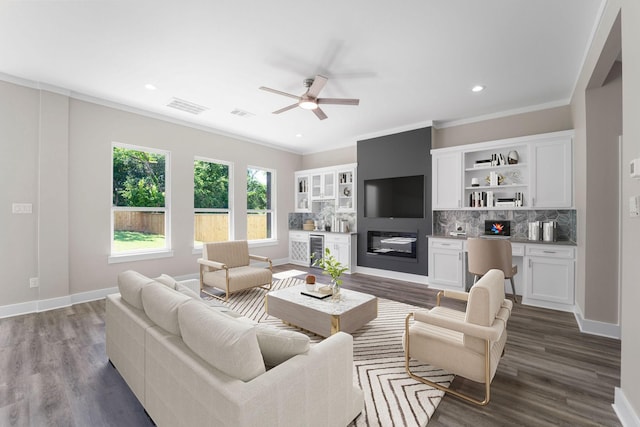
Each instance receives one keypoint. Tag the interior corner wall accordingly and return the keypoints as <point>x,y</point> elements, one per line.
<point>604,127</point>
<point>402,154</point>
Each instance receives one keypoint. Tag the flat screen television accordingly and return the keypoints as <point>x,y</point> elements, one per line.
<point>399,197</point>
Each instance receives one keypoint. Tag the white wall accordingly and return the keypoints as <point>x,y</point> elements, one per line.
<point>56,154</point>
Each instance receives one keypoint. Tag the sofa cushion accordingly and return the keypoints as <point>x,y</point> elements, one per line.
<point>225,343</point>
<point>186,291</point>
<point>130,284</point>
<point>161,305</point>
<point>166,280</point>
<point>279,345</point>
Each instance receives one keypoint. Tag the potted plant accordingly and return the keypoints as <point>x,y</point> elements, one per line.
<point>331,267</point>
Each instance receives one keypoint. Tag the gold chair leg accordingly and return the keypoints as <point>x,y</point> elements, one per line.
<point>465,397</point>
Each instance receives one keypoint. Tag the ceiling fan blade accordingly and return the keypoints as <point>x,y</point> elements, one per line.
<point>318,112</point>
<point>282,110</point>
<point>279,92</point>
<point>317,85</point>
<point>338,101</point>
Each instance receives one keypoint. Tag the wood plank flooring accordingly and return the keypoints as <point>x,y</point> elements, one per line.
<point>54,370</point>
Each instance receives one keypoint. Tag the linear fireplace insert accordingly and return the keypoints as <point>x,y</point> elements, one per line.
<point>392,243</point>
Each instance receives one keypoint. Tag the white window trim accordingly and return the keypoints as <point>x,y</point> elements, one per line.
<point>274,221</point>
<point>198,248</point>
<point>115,257</point>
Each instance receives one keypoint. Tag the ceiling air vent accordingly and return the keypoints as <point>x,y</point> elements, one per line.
<point>189,107</point>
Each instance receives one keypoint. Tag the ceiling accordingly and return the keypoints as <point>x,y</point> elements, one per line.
<point>410,63</point>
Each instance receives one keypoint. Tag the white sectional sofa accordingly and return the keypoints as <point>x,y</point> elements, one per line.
<point>192,363</point>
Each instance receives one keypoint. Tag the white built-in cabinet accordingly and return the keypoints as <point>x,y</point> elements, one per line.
<point>551,186</point>
<point>542,176</point>
<point>299,252</point>
<point>446,189</point>
<point>337,184</point>
<point>547,276</point>
<point>550,276</point>
<point>446,264</point>
<point>342,247</point>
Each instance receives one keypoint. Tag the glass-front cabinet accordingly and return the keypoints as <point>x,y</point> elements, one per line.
<point>346,190</point>
<point>323,185</point>
<point>303,203</point>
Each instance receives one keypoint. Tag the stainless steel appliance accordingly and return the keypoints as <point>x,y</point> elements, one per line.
<point>316,248</point>
<point>549,231</point>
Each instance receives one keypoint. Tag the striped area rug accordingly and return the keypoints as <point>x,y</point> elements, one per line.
<point>391,397</point>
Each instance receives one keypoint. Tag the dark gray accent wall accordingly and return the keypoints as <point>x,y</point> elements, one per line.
<point>401,154</point>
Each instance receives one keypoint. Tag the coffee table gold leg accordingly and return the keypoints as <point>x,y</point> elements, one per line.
<point>335,324</point>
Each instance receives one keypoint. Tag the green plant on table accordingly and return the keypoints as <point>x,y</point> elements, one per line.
<point>330,266</point>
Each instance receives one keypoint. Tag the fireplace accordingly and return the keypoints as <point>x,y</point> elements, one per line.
<point>392,243</point>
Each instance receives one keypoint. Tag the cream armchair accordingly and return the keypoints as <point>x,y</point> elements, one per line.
<point>469,343</point>
<point>226,266</point>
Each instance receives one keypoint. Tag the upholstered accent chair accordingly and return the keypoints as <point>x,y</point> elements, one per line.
<point>486,254</point>
<point>227,266</point>
<point>470,343</point>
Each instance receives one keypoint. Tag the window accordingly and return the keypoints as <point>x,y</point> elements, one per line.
<point>211,190</point>
<point>260,202</point>
<point>139,209</point>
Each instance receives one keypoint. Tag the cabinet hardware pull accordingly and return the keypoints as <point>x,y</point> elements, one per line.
<point>549,252</point>
<point>459,256</point>
<point>529,262</point>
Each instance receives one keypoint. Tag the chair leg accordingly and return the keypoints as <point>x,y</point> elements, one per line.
<point>465,397</point>
<point>513,289</point>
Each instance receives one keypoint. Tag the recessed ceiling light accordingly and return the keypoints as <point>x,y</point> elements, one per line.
<point>477,88</point>
<point>149,86</point>
<point>298,135</point>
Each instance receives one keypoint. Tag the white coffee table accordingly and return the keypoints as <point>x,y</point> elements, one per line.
<point>323,317</point>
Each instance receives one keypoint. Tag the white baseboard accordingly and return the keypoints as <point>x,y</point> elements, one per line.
<point>624,410</point>
<point>38,306</point>
<point>388,274</point>
<point>595,327</point>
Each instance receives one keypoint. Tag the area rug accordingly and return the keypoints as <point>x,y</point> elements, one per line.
<point>391,398</point>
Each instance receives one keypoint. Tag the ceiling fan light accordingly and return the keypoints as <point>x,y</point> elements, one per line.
<point>308,104</point>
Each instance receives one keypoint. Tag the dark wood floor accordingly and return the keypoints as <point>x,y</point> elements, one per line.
<point>54,370</point>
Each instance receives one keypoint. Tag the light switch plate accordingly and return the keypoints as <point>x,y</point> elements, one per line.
<point>22,208</point>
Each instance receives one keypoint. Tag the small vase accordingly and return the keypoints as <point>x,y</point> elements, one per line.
<point>335,291</point>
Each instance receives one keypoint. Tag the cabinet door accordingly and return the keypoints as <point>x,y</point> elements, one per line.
<point>446,175</point>
<point>323,185</point>
<point>302,193</point>
<point>340,247</point>
<point>550,280</point>
<point>552,174</point>
<point>299,248</point>
<point>346,191</point>
<point>446,268</point>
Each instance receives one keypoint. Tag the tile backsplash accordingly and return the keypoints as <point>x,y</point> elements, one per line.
<point>444,222</point>
<point>297,219</point>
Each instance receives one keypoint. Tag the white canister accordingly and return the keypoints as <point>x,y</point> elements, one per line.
<point>549,229</point>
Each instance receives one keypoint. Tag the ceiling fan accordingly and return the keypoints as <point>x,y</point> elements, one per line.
<point>309,100</point>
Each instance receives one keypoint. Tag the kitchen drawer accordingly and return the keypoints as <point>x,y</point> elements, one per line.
<point>338,238</point>
<point>550,251</point>
<point>517,249</point>
<point>298,235</point>
<point>446,243</point>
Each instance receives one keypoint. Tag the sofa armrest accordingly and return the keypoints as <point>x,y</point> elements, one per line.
<point>212,264</point>
<point>461,296</point>
<point>491,333</point>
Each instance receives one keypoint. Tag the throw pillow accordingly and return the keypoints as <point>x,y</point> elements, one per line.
<point>186,291</point>
<point>166,280</point>
<point>130,284</point>
<point>161,305</point>
<point>223,342</point>
<point>279,345</point>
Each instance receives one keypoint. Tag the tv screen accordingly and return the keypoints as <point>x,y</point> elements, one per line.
<point>400,197</point>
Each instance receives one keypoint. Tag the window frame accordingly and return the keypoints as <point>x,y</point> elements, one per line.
<point>230,198</point>
<point>149,253</point>
<point>272,211</point>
